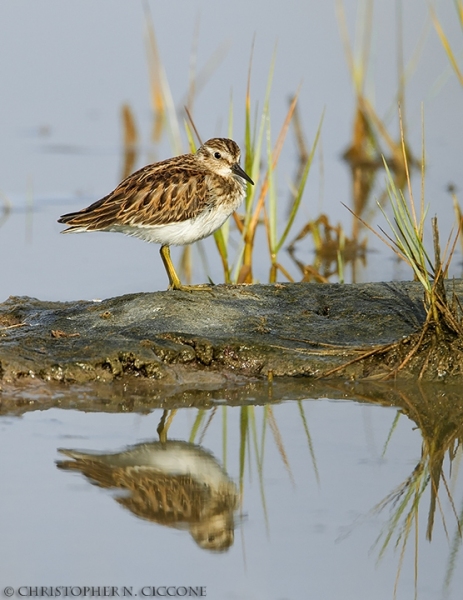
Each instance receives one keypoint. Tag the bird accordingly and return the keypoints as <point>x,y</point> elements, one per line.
<point>173,202</point>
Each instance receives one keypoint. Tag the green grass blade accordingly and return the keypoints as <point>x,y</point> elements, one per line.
<point>272,198</point>
<point>446,44</point>
<point>190,136</point>
<point>300,191</point>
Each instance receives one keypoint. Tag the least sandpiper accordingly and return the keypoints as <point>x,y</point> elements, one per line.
<point>173,202</point>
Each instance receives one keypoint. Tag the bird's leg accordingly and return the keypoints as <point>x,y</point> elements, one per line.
<point>174,281</point>
<point>164,424</point>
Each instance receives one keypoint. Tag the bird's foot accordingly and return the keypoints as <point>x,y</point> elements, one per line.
<point>203,287</point>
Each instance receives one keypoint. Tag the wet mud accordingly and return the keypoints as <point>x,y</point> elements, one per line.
<point>226,336</point>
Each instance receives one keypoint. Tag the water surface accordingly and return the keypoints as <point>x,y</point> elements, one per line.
<point>307,473</point>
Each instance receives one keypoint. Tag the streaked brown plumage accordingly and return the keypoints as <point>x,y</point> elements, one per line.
<point>173,202</point>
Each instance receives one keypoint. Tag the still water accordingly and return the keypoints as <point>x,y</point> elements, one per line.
<point>294,492</point>
<point>251,501</point>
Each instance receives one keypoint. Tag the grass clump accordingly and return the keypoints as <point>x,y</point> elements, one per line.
<point>436,350</point>
<point>262,210</point>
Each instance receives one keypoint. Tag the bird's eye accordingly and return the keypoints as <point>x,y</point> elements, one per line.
<point>217,155</point>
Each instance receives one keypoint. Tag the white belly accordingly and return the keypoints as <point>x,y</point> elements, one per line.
<point>181,233</point>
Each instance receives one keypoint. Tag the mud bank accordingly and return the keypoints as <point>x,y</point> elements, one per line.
<point>230,333</point>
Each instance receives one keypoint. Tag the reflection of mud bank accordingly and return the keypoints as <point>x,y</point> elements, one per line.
<point>177,338</point>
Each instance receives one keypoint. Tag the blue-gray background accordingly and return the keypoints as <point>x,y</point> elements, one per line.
<point>66,69</point>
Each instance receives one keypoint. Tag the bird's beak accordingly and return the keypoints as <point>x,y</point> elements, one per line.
<point>237,170</point>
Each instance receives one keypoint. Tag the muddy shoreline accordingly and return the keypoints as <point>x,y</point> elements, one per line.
<point>229,334</point>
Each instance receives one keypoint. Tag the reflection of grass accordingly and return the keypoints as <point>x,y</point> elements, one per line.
<point>455,547</point>
<point>441,427</point>
<point>253,428</point>
<point>333,250</point>
<point>442,431</point>
<point>438,415</point>
<point>405,501</point>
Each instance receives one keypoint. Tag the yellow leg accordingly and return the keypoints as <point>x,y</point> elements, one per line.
<point>174,281</point>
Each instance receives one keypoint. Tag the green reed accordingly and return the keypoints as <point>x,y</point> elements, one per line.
<point>451,55</point>
<point>260,158</point>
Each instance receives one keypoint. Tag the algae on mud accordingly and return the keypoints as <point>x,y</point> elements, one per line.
<point>177,338</point>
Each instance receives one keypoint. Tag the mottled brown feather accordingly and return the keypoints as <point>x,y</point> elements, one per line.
<point>149,196</point>
<point>173,190</point>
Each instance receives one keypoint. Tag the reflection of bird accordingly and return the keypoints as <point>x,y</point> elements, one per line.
<point>173,483</point>
<point>174,202</point>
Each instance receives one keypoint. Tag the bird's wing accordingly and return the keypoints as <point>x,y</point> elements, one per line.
<point>166,192</point>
